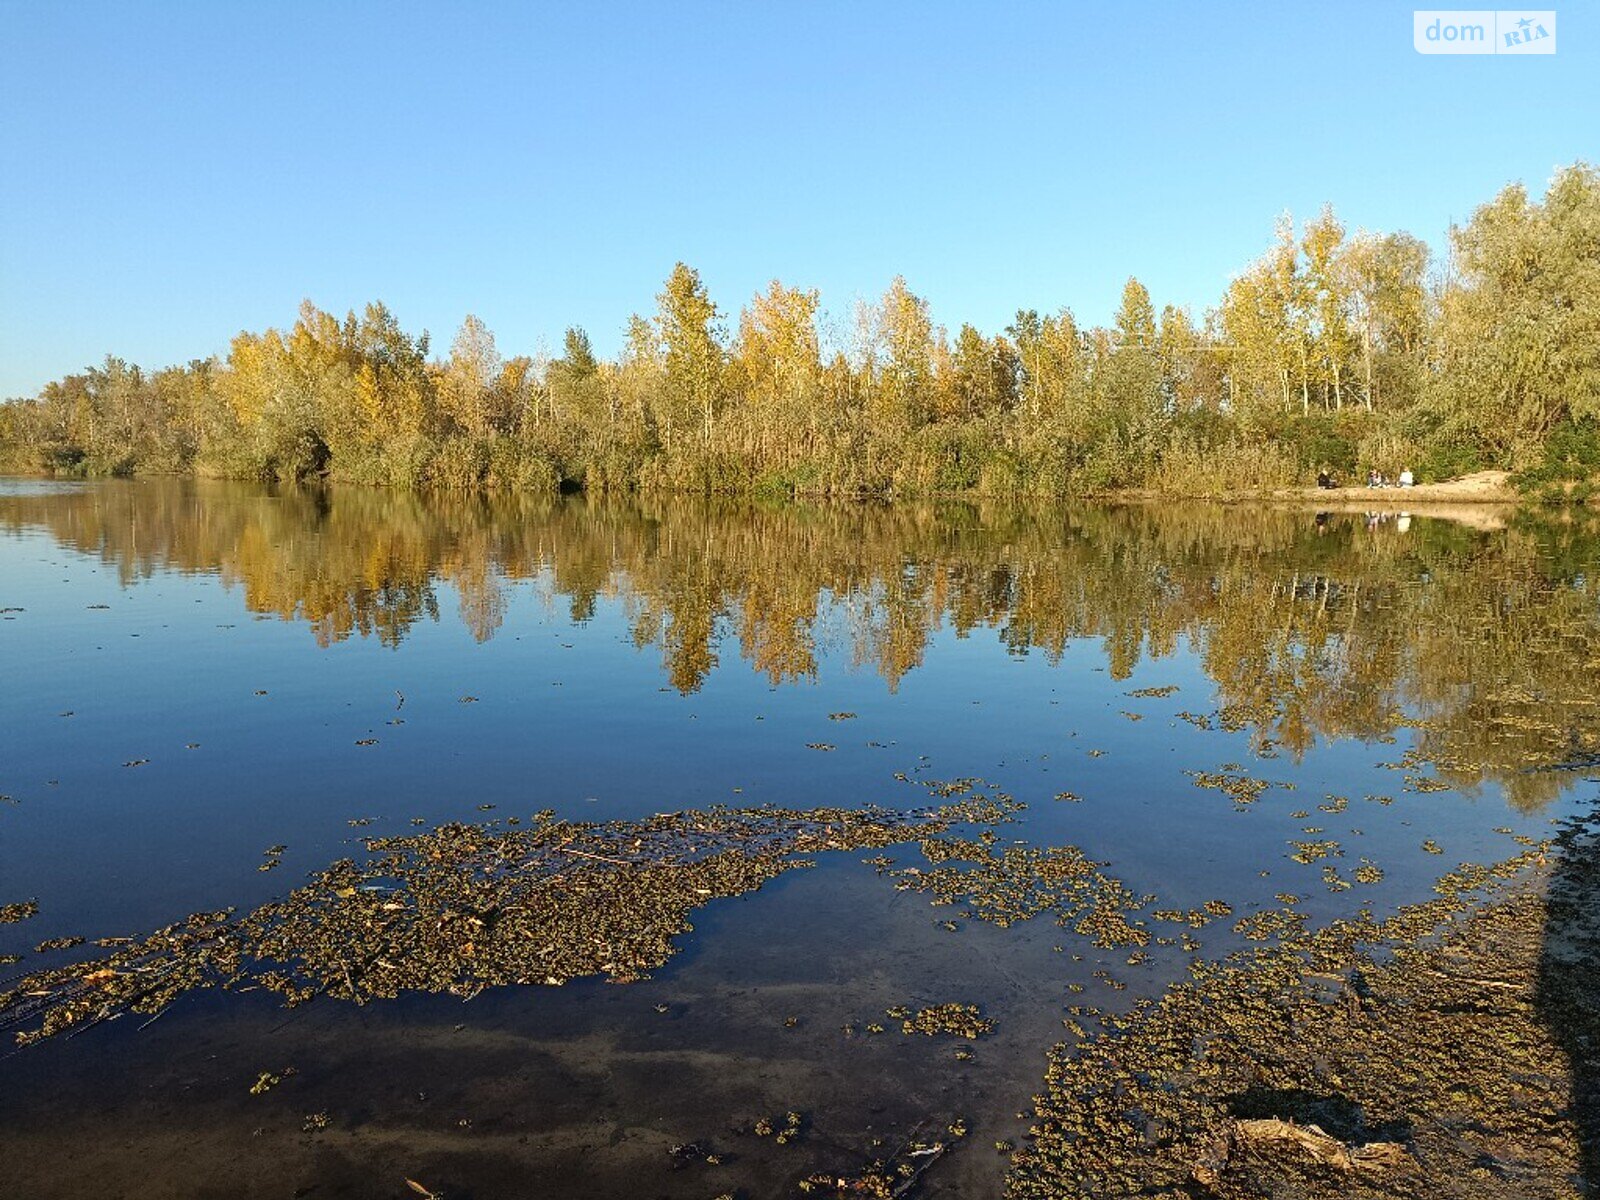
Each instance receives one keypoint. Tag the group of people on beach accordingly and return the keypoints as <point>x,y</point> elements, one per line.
<point>1375,479</point>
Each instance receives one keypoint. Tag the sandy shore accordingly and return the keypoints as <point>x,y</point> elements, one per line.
<point>1483,487</point>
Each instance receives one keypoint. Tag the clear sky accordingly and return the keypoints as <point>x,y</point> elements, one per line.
<point>171,173</point>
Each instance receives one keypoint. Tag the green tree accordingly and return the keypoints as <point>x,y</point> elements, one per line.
<point>1518,340</point>
<point>1384,278</point>
<point>577,392</point>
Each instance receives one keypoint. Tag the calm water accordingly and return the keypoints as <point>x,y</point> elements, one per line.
<point>190,670</point>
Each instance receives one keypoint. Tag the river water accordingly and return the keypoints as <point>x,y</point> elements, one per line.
<point>196,673</point>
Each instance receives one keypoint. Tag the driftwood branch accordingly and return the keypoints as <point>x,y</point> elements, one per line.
<point>1269,1135</point>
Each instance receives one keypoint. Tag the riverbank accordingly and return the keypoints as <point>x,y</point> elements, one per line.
<point>1481,487</point>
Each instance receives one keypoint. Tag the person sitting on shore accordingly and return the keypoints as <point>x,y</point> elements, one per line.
<point>1406,478</point>
<point>1325,479</point>
<point>1373,478</point>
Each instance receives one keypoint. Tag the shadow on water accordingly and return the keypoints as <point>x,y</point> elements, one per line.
<point>1568,997</point>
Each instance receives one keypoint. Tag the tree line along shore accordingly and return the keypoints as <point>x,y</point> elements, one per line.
<point>1335,351</point>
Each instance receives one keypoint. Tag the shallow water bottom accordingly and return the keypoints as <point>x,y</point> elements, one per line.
<point>576,1091</point>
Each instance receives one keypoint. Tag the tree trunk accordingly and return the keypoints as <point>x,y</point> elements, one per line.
<point>1305,383</point>
<point>1366,351</point>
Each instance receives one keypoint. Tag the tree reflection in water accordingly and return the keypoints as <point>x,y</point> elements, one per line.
<point>1482,632</point>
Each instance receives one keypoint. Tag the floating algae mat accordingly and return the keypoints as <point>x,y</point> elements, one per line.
<point>467,907</point>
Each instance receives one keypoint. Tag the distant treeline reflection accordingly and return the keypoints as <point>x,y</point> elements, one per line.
<point>1308,626</point>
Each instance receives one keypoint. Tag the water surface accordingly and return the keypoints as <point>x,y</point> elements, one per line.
<point>196,672</point>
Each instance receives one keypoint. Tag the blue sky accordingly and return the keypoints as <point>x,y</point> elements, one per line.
<point>175,172</point>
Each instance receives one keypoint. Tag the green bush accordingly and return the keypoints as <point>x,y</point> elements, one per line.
<point>1448,460</point>
<point>1570,462</point>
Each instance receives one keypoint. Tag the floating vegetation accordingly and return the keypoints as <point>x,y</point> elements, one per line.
<point>1241,789</point>
<point>1357,1061</point>
<point>824,746</point>
<point>267,1080</point>
<point>781,1134</point>
<point>1425,783</point>
<point>467,907</point>
<point>1272,923</point>
<point>11,914</point>
<point>1154,692</point>
<point>841,716</point>
<point>58,943</point>
<point>1368,872</point>
<point>1017,883</point>
<point>956,1020</point>
<point>684,1154</point>
<point>1310,852</point>
<point>1196,918</point>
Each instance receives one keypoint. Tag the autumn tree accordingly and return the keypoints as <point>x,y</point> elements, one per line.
<point>1264,342</point>
<point>901,392</point>
<point>1325,305</point>
<point>467,384</point>
<point>778,359</point>
<point>687,321</point>
<point>1052,367</point>
<point>979,379</point>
